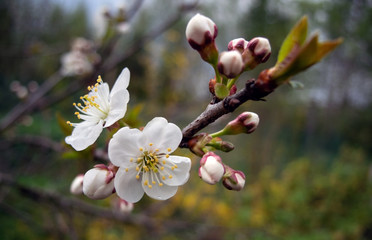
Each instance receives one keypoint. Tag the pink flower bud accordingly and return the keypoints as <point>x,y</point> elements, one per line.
<point>211,168</point>
<point>200,31</point>
<point>260,49</point>
<point>238,44</point>
<point>246,122</point>
<point>230,64</point>
<point>233,179</point>
<point>124,206</point>
<point>98,182</point>
<point>76,186</point>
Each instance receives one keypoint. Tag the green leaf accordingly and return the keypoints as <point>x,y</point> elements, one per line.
<point>301,58</point>
<point>296,36</point>
<point>221,90</point>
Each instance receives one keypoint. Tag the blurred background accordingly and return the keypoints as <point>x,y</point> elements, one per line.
<point>308,165</point>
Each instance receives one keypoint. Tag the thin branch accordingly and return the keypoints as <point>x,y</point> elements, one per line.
<point>18,111</point>
<point>254,90</point>
<point>74,204</point>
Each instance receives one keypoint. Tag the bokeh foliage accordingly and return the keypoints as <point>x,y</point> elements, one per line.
<point>307,165</point>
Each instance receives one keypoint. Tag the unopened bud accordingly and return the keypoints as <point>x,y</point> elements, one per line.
<point>223,146</point>
<point>98,182</point>
<point>197,143</point>
<point>211,168</point>
<point>201,33</point>
<point>246,122</point>
<point>124,206</point>
<point>260,49</point>
<point>238,44</point>
<point>76,186</point>
<point>233,179</point>
<point>230,64</point>
<point>212,84</point>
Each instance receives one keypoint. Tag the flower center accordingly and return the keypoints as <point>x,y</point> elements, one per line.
<point>94,105</point>
<point>154,166</point>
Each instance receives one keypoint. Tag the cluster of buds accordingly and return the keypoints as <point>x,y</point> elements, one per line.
<point>253,52</point>
<point>241,56</point>
<point>212,170</point>
<point>81,59</point>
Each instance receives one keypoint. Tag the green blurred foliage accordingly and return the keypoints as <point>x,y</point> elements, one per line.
<point>307,164</point>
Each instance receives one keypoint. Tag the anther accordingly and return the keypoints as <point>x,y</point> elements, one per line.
<point>167,156</point>
<point>141,149</point>
<point>137,177</point>
<point>170,176</point>
<point>126,169</point>
<point>168,149</point>
<point>150,144</point>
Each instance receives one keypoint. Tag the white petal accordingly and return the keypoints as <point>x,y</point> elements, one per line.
<point>181,174</point>
<point>160,192</point>
<point>127,186</point>
<point>118,107</point>
<point>124,145</point>
<point>122,82</point>
<point>84,135</point>
<point>162,134</point>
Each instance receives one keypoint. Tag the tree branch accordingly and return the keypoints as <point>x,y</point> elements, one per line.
<point>253,90</point>
<point>74,204</point>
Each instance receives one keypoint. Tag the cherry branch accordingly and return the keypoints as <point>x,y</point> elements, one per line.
<point>253,90</point>
<point>74,204</point>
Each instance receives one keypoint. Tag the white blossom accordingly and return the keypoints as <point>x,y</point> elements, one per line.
<point>144,161</point>
<point>100,109</point>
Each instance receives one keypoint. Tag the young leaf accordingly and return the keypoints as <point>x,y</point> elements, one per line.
<point>296,36</point>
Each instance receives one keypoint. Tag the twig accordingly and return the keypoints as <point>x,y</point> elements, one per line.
<point>254,90</point>
<point>73,204</point>
<point>17,112</point>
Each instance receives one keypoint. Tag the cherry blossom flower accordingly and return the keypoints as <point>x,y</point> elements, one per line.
<point>144,161</point>
<point>100,109</point>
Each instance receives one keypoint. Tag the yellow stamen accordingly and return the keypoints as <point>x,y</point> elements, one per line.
<point>168,149</point>
<point>137,177</point>
<point>170,176</point>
